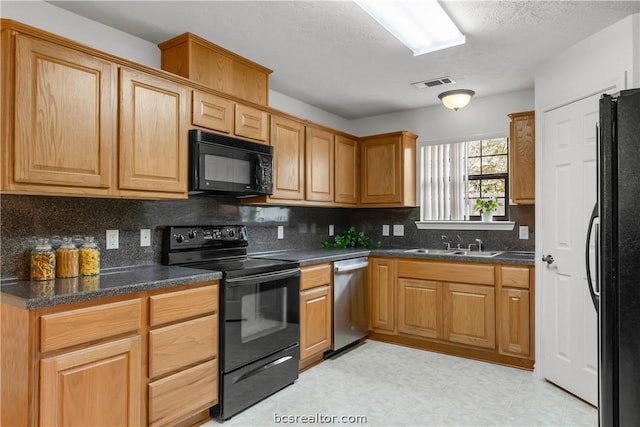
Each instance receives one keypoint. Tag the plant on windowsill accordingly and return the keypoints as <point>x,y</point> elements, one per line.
<point>486,208</point>
<point>351,238</point>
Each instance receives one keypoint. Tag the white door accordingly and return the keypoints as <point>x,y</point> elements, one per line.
<point>569,319</point>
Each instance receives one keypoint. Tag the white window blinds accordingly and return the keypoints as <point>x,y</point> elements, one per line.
<point>443,182</point>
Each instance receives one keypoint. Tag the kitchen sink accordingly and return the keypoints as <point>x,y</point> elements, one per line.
<point>484,254</point>
<point>430,251</point>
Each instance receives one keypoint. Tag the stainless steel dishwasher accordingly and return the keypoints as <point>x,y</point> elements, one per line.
<point>350,308</point>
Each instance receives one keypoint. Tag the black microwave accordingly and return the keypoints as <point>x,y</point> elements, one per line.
<point>222,165</point>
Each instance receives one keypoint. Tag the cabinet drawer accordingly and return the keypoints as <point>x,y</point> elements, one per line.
<point>180,305</point>
<point>69,328</point>
<point>447,272</point>
<point>515,277</point>
<point>176,346</point>
<point>315,275</point>
<point>181,395</point>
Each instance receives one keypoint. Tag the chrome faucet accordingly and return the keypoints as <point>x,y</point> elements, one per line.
<point>479,245</point>
<point>443,237</point>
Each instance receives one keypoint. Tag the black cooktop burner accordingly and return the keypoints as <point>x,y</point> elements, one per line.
<point>220,248</point>
<point>246,267</point>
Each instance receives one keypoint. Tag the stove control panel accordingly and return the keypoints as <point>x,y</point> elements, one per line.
<point>200,237</point>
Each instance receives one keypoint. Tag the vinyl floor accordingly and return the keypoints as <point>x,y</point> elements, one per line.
<point>379,384</point>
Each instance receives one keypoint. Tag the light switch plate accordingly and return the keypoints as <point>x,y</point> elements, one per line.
<point>524,232</point>
<point>331,230</point>
<point>281,232</point>
<point>113,239</point>
<point>385,230</point>
<point>145,237</point>
<point>398,230</point>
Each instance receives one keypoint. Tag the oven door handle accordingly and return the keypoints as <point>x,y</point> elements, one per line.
<point>266,277</point>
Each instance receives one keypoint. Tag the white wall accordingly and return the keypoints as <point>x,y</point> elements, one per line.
<point>50,18</point>
<point>305,111</point>
<point>608,57</point>
<point>483,117</point>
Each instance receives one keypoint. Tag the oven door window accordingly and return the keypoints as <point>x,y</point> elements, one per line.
<point>263,312</point>
<point>261,316</point>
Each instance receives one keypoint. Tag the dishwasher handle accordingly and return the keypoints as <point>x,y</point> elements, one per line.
<point>343,267</point>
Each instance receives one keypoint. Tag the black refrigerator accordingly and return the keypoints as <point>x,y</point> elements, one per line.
<point>615,290</point>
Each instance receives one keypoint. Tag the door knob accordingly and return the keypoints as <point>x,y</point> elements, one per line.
<point>548,259</point>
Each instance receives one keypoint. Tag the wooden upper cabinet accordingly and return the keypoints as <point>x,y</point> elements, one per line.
<point>65,118</point>
<point>153,134</point>
<point>251,123</point>
<point>212,112</point>
<point>197,59</point>
<point>319,165</point>
<point>287,139</point>
<point>347,171</point>
<point>522,155</point>
<point>388,175</point>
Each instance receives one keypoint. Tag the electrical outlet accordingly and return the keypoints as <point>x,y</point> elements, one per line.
<point>524,232</point>
<point>281,232</point>
<point>385,230</point>
<point>145,237</point>
<point>331,230</point>
<point>398,230</point>
<point>112,239</point>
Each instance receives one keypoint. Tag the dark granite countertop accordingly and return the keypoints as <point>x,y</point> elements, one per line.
<point>312,256</point>
<point>112,282</point>
<point>506,257</point>
<point>315,256</point>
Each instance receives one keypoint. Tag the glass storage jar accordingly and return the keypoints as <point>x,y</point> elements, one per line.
<point>89,257</point>
<point>67,259</point>
<point>43,261</point>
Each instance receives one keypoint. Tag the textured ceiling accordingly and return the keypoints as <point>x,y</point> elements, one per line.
<point>332,55</point>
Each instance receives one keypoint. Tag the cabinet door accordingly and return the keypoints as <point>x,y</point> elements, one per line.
<point>65,117</point>
<point>514,322</point>
<point>469,314</point>
<point>381,170</point>
<point>419,308</point>
<point>94,386</point>
<point>251,123</point>
<point>347,171</point>
<point>287,139</point>
<point>315,321</point>
<point>212,112</point>
<point>153,134</point>
<point>522,154</point>
<point>319,165</point>
<point>382,272</point>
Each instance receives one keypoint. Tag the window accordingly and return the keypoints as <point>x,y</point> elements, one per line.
<point>453,176</point>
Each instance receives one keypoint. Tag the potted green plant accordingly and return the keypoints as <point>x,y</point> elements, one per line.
<point>351,238</point>
<point>486,208</point>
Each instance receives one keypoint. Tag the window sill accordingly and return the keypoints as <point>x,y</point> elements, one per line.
<point>465,225</point>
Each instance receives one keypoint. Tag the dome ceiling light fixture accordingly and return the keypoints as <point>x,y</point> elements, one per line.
<point>456,99</point>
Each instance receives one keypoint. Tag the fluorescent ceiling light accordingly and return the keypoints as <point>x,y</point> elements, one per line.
<point>422,25</point>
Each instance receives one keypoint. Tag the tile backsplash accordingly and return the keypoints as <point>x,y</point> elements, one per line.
<point>43,216</point>
<point>304,227</point>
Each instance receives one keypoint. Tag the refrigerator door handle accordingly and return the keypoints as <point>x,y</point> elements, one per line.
<point>595,297</point>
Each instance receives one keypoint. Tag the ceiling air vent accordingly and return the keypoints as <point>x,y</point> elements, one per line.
<point>433,82</point>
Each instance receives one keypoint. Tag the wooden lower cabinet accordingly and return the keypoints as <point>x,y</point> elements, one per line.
<point>420,308</point>
<point>316,312</point>
<point>382,301</point>
<point>148,358</point>
<point>469,315</point>
<point>476,310</point>
<point>95,386</point>
<point>516,308</point>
